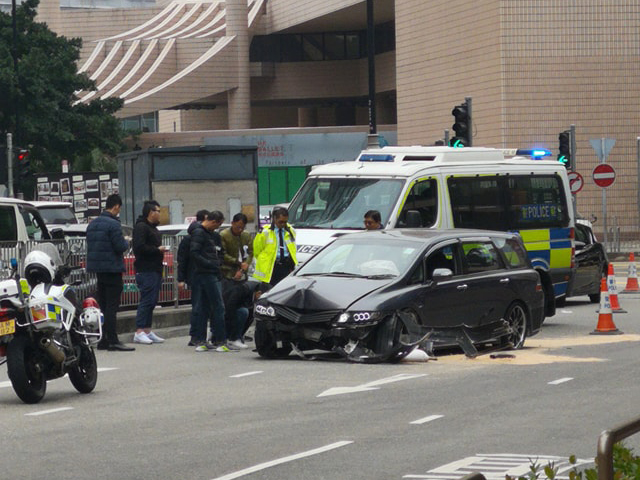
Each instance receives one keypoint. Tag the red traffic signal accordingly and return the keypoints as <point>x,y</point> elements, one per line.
<point>23,156</point>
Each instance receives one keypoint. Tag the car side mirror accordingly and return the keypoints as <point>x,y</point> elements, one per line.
<point>57,234</point>
<point>440,274</point>
<point>413,219</point>
<point>580,245</point>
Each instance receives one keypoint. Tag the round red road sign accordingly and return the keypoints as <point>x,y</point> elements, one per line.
<point>576,182</point>
<point>604,175</point>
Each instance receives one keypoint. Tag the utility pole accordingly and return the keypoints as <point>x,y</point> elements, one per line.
<point>10,164</point>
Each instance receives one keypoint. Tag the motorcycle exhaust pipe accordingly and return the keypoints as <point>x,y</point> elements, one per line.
<point>54,352</point>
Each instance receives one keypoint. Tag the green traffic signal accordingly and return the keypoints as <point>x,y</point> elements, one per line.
<point>564,149</point>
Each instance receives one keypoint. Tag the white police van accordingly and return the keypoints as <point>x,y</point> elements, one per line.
<point>445,187</point>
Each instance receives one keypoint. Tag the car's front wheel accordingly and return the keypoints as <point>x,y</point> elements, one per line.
<point>518,319</point>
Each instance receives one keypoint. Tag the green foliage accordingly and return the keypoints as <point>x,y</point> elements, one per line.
<point>38,107</point>
<point>626,466</point>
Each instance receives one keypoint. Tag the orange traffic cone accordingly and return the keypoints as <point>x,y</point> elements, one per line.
<point>632,276</point>
<point>605,317</point>
<point>613,291</point>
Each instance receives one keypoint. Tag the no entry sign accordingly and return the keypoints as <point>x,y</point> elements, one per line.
<point>604,175</point>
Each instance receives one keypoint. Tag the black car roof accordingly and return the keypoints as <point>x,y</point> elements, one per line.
<point>422,235</point>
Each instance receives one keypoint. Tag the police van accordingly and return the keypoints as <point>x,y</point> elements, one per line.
<point>444,187</point>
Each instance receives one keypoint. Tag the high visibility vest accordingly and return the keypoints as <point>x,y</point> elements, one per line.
<point>265,251</point>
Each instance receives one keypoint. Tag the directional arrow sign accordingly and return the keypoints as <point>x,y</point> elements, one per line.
<point>369,386</point>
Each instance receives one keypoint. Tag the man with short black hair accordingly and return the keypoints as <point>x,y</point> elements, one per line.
<point>206,253</point>
<point>275,249</point>
<point>149,252</point>
<point>105,248</point>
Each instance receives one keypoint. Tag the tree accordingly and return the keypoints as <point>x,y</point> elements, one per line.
<point>38,107</point>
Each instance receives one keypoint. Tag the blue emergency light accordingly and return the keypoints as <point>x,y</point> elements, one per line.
<point>375,157</point>
<point>535,153</point>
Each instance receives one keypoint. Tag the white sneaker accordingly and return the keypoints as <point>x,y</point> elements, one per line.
<point>155,338</point>
<point>239,344</point>
<point>142,338</point>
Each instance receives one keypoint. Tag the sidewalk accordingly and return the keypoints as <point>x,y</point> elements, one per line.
<point>168,322</point>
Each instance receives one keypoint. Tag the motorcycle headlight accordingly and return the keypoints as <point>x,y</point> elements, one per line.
<point>359,318</point>
<point>265,310</point>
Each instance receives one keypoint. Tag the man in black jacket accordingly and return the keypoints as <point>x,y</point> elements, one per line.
<point>149,252</point>
<point>205,253</point>
<point>105,247</point>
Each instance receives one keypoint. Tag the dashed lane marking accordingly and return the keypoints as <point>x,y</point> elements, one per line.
<point>279,461</point>
<point>430,418</point>
<point>46,412</point>
<point>247,374</point>
<point>561,380</point>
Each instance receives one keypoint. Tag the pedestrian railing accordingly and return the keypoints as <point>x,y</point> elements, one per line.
<point>607,440</point>
<point>74,252</point>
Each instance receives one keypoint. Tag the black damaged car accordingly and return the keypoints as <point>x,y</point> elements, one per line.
<point>375,296</point>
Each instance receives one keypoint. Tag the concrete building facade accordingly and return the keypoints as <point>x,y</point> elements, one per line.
<point>532,67</point>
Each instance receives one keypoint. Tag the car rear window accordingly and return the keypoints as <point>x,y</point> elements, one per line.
<point>513,252</point>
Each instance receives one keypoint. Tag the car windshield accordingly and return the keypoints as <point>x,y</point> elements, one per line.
<point>57,215</point>
<point>371,258</point>
<point>342,202</point>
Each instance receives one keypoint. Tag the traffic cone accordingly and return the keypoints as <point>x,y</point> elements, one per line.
<point>613,291</point>
<point>605,317</point>
<point>632,276</point>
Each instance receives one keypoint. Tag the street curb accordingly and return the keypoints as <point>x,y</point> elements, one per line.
<point>168,322</point>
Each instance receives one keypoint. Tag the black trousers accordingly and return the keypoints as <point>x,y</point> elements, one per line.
<point>281,270</point>
<point>109,291</point>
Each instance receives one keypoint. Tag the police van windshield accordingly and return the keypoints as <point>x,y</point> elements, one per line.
<point>342,202</point>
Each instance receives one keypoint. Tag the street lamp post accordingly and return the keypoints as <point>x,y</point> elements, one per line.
<point>371,57</point>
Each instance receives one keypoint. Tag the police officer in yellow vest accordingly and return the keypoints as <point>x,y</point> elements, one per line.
<point>275,249</point>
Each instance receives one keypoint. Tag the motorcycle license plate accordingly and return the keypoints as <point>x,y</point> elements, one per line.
<point>7,328</point>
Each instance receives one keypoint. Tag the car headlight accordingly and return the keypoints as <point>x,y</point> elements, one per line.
<point>265,310</point>
<point>359,318</point>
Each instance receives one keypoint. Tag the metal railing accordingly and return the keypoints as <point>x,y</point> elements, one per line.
<point>74,252</point>
<point>607,440</point>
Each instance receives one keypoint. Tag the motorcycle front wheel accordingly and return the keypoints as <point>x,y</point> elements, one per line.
<point>84,374</point>
<point>25,369</point>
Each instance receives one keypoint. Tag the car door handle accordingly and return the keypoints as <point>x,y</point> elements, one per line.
<point>504,280</point>
<point>462,287</point>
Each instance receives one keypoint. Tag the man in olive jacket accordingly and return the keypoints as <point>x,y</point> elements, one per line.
<point>105,246</point>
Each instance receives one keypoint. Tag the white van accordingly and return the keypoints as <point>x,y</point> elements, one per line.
<point>444,187</point>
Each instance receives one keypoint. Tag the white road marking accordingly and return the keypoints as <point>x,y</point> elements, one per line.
<point>279,461</point>
<point>5,384</point>
<point>245,374</point>
<point>371,385</point>
<point>496,466</point>
<point>430,418</point>
<point>561,380</point>
<point>106,369</point>
<point>46,412</point>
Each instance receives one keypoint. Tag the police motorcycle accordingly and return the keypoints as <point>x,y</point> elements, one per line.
<point>44,332</point>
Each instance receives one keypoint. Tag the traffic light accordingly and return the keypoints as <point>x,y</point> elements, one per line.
<point>23,163</point>
<point>564,149</point>
<point>462,125</point>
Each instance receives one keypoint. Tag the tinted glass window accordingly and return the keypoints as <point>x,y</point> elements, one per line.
<point>442,258</point>
<point>513,252</point>
<point>8,228</point>
<point>480,256</point>
<point>511,202</point>
<point>423,197</point>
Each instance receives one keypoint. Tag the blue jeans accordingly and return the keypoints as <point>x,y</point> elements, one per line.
<point>209,303</point>
<point>149,284</point>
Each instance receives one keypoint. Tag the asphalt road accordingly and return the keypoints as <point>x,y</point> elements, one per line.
<point>167,412</point>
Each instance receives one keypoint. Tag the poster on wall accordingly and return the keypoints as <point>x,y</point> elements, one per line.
<point>87,192</point>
